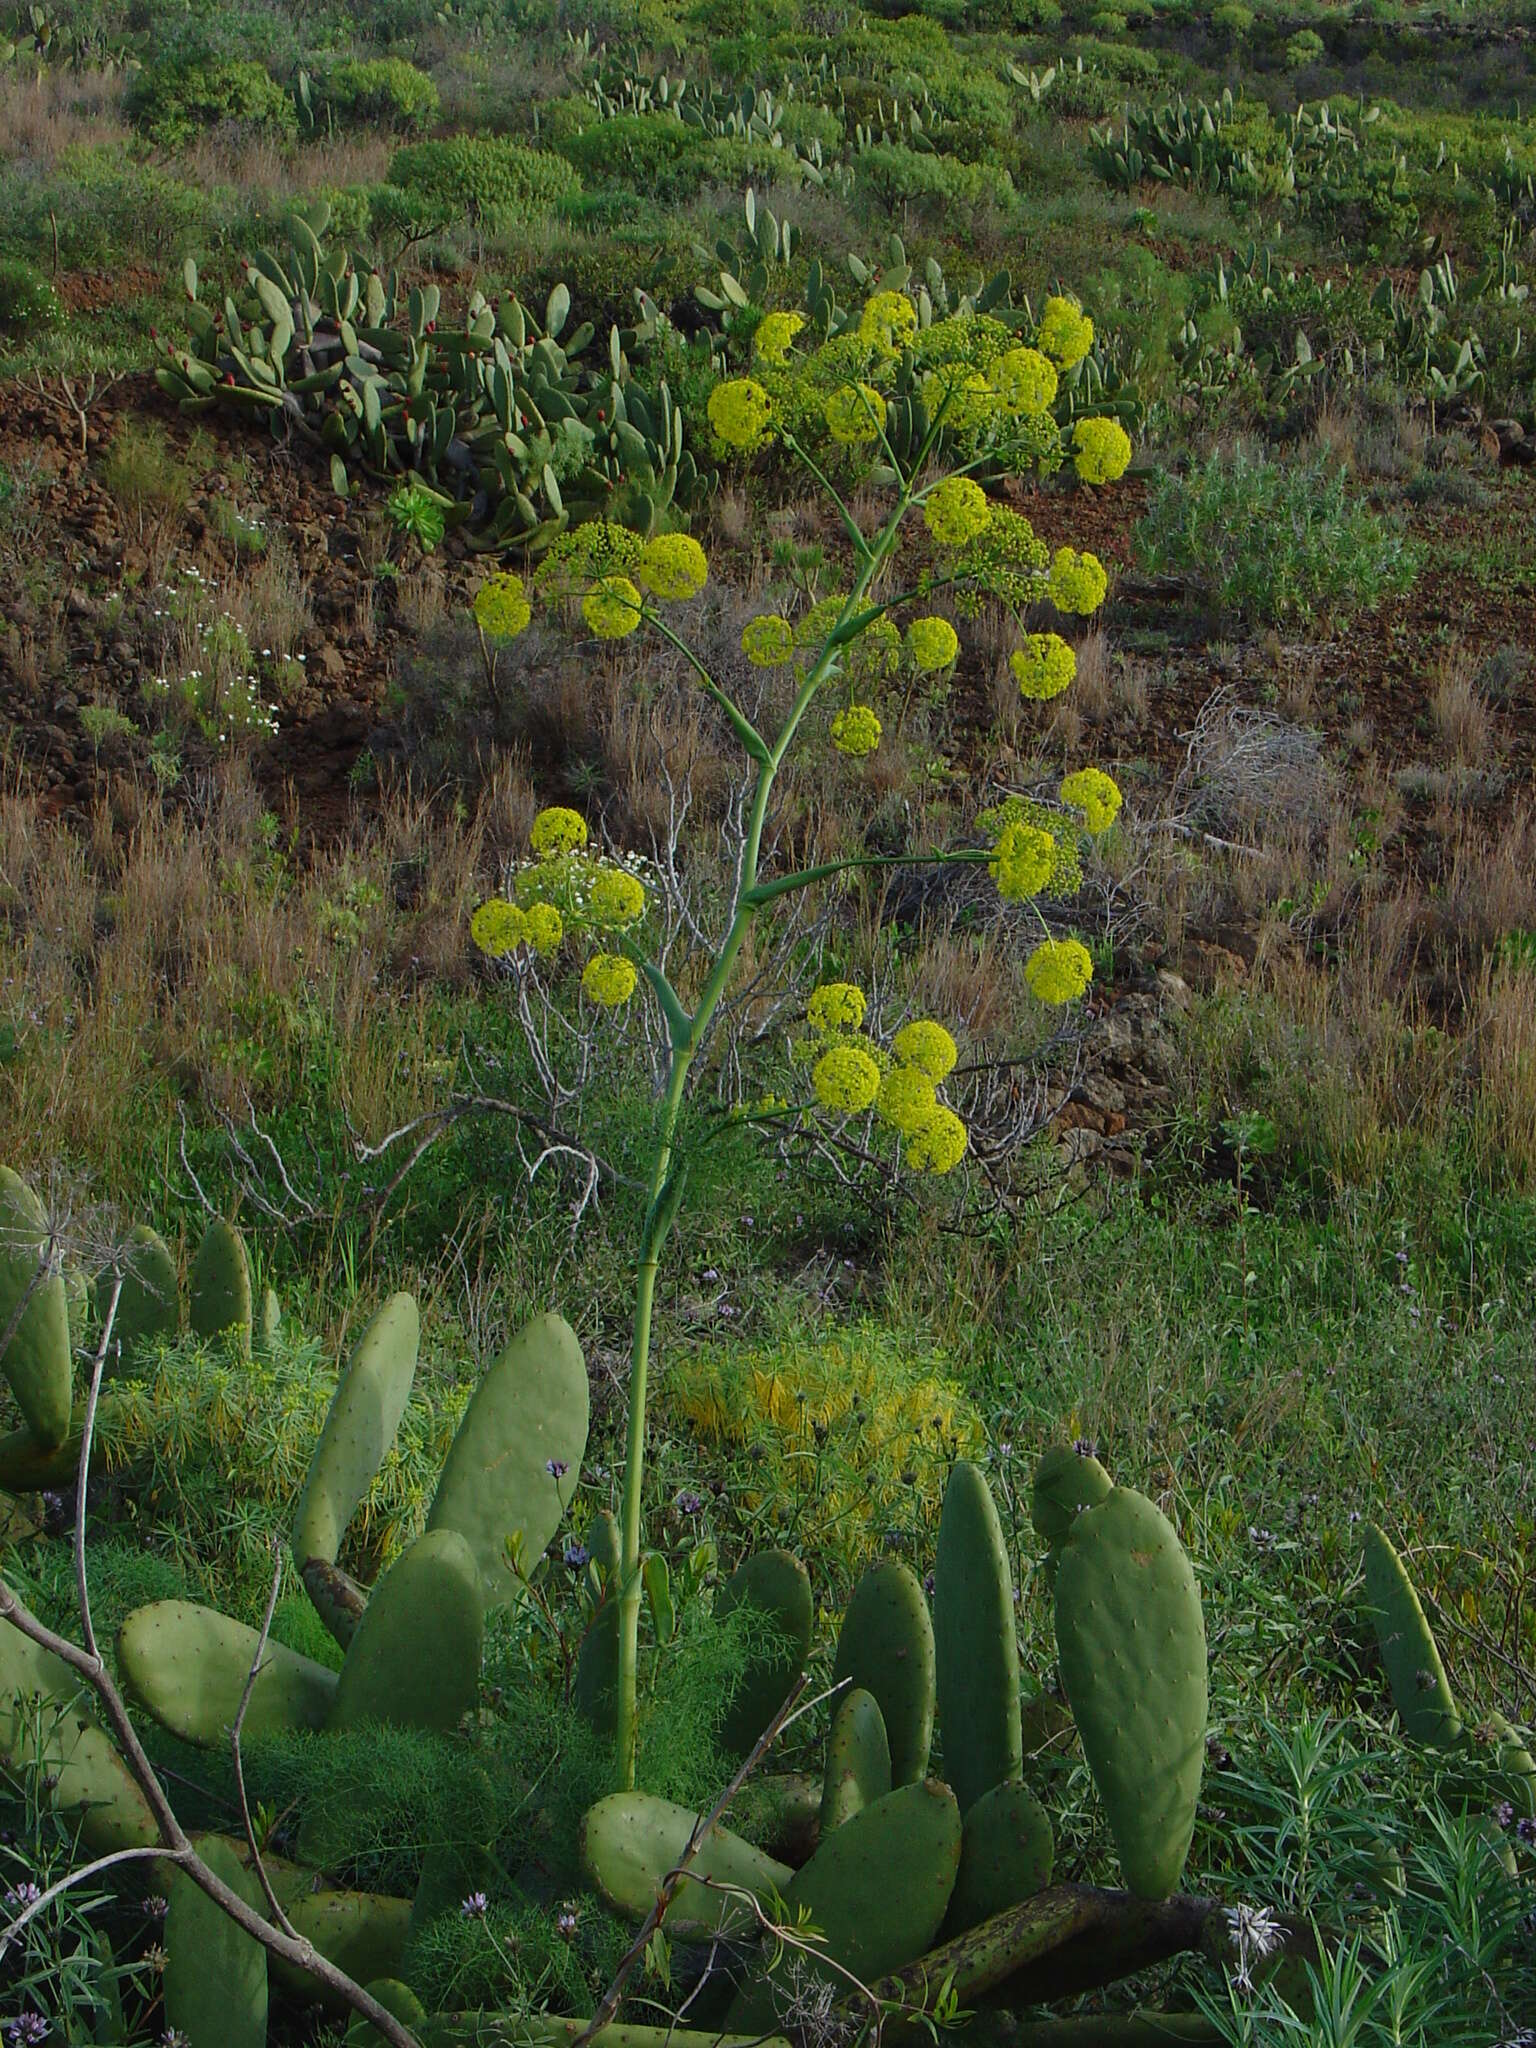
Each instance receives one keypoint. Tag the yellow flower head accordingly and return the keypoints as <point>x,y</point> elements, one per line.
<point>608,980</point>
<point>1044,666</point>
<point>957,511</point>
<point>1102,450</point>
<point>845,1079</point>
<point>836,1006</point>
<point>1066,332</point>
<point>498,928</point>
<point>940,1145</point>
<point>615,898</point>
<point>932,643</point>
<point>584,555</point>
<point>1096,795</point>
<point>906,1100</point>
<point>1025,380</point>
<point>1078,581</point>
<point>856,731</point>
<point>1023,861</point>
<point>1059,970</point>
<point>768,641</point>
<point>502,609</point>
<point>612,609</point>
<point>546,928</point>
<point>927,1046</point>
<point>558,830</point>
<point>888,322</point>
<point>673,567</point>
<point>740,411</point>
<point>775,337</point>
<point>855,413</point>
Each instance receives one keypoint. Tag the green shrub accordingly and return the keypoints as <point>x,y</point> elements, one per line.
<point>668,160</point>
<point>898,176</point>
<point>483,178</point>
<point>28,302</point>
<point>104,208</point>
<point>1021,15</point>
<point>171,102</point>
<point>745,17</point>
<point>804,122</point>
<point>383,92</point>
<point>1232,18</point>
<point>1273,540</point>
<point>1305,47</point>
<point>1109,24</point>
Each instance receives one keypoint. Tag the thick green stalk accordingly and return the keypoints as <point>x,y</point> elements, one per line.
<point>660,1210</point>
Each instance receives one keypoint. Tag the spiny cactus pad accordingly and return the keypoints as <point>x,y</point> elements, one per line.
<point>188,1665</point>
<point>886,1648</point>
<point>877,1889</point>
<point>1421,1691</point>
<point>219,1286</point>
<point>25,1467</point>
<point>630,1841</point>
<point>1067,1481</point>
<point>359,1430</point>
<point>398,2000</point>
<point>149,1306</point>
<point>415,1659</point>
<point>858,1760</point>
<point>362,1933</point>
<point>595,1689</point>
<point>517,1456</point>
<point>1006,1854</point>
<point>977,1655</point>
<point>1130,1635</point>
<point>215,1980</point>
<point>37,1359</point>
<point>774,1583</point>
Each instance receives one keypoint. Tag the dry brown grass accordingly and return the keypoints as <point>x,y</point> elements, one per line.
<point>1461,717</point>
<point>42,114</point>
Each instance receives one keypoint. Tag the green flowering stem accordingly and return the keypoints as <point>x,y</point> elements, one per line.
<point>679,1023</point>
<point>850,524</point>
<point>783,885</point>
<point>741,725</point>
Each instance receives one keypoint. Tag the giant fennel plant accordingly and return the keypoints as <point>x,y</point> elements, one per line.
<point>928,414</point>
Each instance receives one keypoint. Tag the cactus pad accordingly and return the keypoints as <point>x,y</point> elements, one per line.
<point>362,1933</point>
<point>595,1689</point>
<point>977,1653</point>
<point>415,1659</point>
<point>149,1306</point>
<point>398,2000</point>
<point>1067,1481</point>
<point>629,1843</point>
<point>515,1461</point>
<point>858,1760</point>
<point>877,1888</point>
<point>215,1981</point>
<point>1421,1691</point>
<point>886,1648</point>
<point>188,1666</point>
<point>37,1359</point>
<point>1006,1854</point>
<point>359,1430</point>
<point>1130,1635</point>
<point>774,1583</point>
<point>219,1286</point>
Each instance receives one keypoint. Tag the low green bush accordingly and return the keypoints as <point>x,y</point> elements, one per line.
<point>483,178</point>
<point>668,160</point>
<point>897,176</point>
<point>101,207</point>
<point>383,92</point>
<point>1271,540</point>
<point>171,102</point>
<point>28,302</point>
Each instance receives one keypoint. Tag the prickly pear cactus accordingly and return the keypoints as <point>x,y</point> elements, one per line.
<point>188,1665</point>
<point>775,1583</point>
<point>1068,1480</point>
<point>977,1654</point>
<point>516,1459</point>
<point>1130,1635</point>
<point>149,1306</point>
<point>25,1467</point>
<point>415,1659</point>
<point>595,1688</point>
<point>220,1286</point>
<point>398,2000</point>
<point>1421,1691</point>
<point>215,1981</point>
<point>363,1933</point>
<point>629,1843</point>
<point>1006,1854</point>
<point>858,1760</point>
<point>877,1888</point>
<point>269,1323</point>
<point>886,1648</point>
<point>359,1430</point>
<point>37,1359</point>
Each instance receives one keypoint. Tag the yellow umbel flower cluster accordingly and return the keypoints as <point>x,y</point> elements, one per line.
<point>1096,795</point>
<point>852,1437</point>
<point>856,731</point>
<point>1066,332</point>
<point>612,608</point>
<point>888,322</point>
<point>1078,582</point>
<point>851,1075</point>
<point>855,413</point>
<point>1023,860</point>
<point>957,511</point>
<point>672,567</point>
<point>557,829</point>
<point>740,411</point>
<point>608,979</point>
<point>1044,666</point>
<point>565,887</point>
<point>933,644</point>
<point>775,337</point>
<point>846,1080</point>
<point>581,557</point>
<point>836,1006</point>
<point>616,898</point>
<point>1059,970</point>
<point>501,606</point>
<point>1101,451</point>
<point>768,642</point>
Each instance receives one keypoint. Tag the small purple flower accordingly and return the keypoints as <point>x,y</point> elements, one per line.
<point>556,1467</point>
<point>928,1584</point>
<point>21,1895</point>
<point>575,1553</point>
<point>1086,1447</point>
<point>566,1924</point>
<point>27,2031</point>
<point>1504,1814</point>
<point>1525,1831</point>
<point>153,1908</point>
<point>475,1907</point>
<point>689,1503</point>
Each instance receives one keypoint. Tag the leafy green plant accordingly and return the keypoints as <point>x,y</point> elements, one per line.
<point>28,302</point>
<point>172,101</point>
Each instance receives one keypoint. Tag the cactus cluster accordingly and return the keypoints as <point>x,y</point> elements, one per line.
<point>498,414</point>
